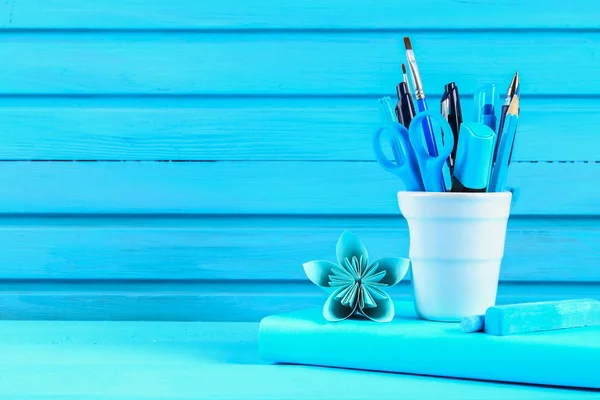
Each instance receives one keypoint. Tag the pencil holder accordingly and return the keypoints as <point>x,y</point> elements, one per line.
<point>456,248</point>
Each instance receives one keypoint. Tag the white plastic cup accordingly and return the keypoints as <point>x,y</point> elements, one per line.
<point>456,248</point>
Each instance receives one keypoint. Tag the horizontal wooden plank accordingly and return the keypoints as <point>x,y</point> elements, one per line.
<point>260,248</point>
<point>295,63</point>
<point>314,14</point>
<point>254,129</point>
<point>263,188</point>
<point>189,301</point>
<point>65,360</point>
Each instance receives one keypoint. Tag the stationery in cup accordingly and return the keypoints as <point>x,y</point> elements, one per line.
<point>454,202</point>
<point>473,156</point>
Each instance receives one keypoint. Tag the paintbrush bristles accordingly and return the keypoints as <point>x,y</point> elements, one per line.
<point>407,43</point>
<point>403,69</point>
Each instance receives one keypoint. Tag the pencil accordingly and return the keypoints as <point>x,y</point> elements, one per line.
<point>512,90</point>
<point>500,168</point>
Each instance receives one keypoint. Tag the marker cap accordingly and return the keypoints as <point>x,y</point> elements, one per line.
<point>474,155</point>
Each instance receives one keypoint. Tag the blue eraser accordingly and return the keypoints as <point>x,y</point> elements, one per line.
<point>473,324</point>
<point>541,316</point>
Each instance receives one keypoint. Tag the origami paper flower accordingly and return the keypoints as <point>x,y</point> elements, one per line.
<point>356,286</point>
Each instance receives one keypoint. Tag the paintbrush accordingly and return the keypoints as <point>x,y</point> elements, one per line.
<point>420,97</point>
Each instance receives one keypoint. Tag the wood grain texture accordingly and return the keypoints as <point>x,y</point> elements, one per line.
<point>256,248</point>
<point>254,128</point>
<point>313,14</point>
<point>281,94</point>
<point>262,188</point>
<point>178,360</point>
<point>210,301</point>
<point>291,63</point>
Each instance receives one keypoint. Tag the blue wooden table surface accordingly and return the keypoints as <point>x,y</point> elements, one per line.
<point>200,360</point>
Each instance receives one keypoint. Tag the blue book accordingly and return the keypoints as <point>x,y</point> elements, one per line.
<point>567,357</point>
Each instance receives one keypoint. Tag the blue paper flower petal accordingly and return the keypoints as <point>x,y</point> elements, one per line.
<point>349,246</point>
<point>383,312</point>
<point>334,310</point>
<point>318,271</point>
<point>395,270</point>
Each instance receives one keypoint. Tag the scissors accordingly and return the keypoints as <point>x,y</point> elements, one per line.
<point>412,162</point>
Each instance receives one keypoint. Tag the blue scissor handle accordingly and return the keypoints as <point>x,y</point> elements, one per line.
<point>430,166</point>
<point>405,165</point>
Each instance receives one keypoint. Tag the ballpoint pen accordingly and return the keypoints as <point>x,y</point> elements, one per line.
<point>512,88</point>
<point>422,106</point>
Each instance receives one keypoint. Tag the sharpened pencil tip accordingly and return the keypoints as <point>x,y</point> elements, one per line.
<point>407,43</point>
<point>403,68</point>
<point>513,108</point>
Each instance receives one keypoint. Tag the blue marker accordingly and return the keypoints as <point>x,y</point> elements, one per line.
<point>474,154</point>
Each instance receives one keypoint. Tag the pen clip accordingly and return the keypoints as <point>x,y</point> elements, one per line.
<point>485,106</point>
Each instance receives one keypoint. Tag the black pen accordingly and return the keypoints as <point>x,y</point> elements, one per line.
<point>452,112</point>
<point>405,108</point>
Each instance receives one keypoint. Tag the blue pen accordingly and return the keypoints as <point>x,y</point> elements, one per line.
<point>422,106</point>
<point>507,139</point>
<point>485,102</point>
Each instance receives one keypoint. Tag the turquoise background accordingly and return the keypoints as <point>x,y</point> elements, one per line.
<point>180,160</point>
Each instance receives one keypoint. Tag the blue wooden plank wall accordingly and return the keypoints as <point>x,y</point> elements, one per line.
<point>180,160</point>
